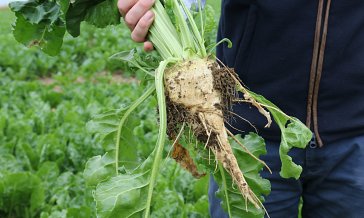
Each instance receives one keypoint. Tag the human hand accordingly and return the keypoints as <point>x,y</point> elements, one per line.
<point>138,16</point>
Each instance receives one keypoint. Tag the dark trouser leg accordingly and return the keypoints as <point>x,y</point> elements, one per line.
<point>333,183</point>
<point>284,198</point>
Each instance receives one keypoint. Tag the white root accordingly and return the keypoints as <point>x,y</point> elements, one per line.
<point>191,84</point>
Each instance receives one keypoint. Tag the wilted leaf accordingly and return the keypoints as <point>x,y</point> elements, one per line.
<point>293,134</point>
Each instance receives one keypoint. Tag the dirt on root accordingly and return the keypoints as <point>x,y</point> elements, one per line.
<point>224,81</point>
<point>177,114</point>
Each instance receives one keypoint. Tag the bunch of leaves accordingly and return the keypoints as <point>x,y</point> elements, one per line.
<point>44,144</point>
<point>85,55</point>
<point>43,22</point>
<point>124,192</point>
<point>51,119</point>
<point>229,194</point>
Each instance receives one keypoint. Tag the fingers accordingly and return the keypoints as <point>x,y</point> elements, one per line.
<point>125,5</point>
<point>138,17</point>
<point>141,29</point>
<point>134,14</point>
<point>148,46</point>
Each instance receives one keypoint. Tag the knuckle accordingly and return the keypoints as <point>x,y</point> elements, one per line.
<point>146,4</point>
<point>143,24</point>
<point>121,6</point>
<point>136,37</point>
<point>129,20</point>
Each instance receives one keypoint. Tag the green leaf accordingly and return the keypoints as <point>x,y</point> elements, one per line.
<point>39,25</point>
<point>48,172</point>
<point>98,12</point>
<point>9,163</point>
<point>104,14</point>
<point>130,195</point>
<point>99,168</point>
<point>293,134</point>
<point>51,148</point>
<point>124,195</point>
<point>3,123</point>
<point>65,4</point>
<point>21,190</point>
<point>36,12</point>
<point>27,155</point>
<point>106,126</point>
<point>232,200</point>
<point>81,212</point>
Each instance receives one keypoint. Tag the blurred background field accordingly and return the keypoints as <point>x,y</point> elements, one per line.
<point>45,103</point>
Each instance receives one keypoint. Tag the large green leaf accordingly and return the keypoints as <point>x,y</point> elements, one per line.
<point>293,134</point>
<point>130,194</point>
<point>97,12</point>
<point>43,23</point>
<point>106,127</point>
<point>125,195</point>
<point>99,168</point>
<point>35,11</point>
<point>39,23</point>
<point>104,14</point>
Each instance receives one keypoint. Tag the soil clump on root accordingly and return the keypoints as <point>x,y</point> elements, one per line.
<point>200,94</point>
<point>224,83</point>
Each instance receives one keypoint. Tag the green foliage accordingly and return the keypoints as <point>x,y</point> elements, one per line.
<point>43,23</point>
<point>128,192</point>
<point>87,55</point>
<point>44,144</point>
<point>100,13</point>
<point>232,200</point>
<point>293,134</point>
<point>230,195</point>
<point>99,169</point>
<point>125,195</point>
<point>45,103</point>
<point>39,23</point>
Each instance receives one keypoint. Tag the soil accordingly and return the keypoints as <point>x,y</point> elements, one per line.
<point>177,115</point>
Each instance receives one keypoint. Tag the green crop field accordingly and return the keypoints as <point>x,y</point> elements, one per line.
<point>45,103</point>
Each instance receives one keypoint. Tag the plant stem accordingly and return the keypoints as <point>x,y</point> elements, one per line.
<point>159,84</point>
<point>132,107</point>
<point>222,172</point>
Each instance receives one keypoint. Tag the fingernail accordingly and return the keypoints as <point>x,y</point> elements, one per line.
<point>149,15</point>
